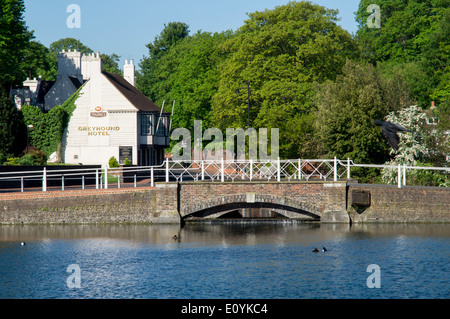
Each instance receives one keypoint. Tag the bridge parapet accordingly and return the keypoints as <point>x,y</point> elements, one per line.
<point>321,200</point>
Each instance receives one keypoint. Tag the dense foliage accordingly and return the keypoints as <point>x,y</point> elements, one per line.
<point>12,129</point>
<point>14,41</point>
<point>307,76</point>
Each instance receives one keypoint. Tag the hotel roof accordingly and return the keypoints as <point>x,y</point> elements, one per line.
<point>139,100</point>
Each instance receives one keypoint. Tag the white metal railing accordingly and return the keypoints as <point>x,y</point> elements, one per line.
<point>179,171</point>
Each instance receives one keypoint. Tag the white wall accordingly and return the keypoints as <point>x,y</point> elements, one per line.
<point>95,139</point>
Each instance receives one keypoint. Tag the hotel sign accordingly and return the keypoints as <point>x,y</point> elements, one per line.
<point>98,112</point>
<point>98,130</point>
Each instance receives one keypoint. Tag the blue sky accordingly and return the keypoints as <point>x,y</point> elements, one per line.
<point>125,27</point>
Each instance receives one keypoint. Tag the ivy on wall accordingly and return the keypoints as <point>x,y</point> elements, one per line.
<point>48,128</point>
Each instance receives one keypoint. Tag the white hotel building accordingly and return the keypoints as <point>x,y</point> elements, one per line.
<point>111,118</point>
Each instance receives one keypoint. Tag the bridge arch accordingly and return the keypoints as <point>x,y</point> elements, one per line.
<point>295,208</point>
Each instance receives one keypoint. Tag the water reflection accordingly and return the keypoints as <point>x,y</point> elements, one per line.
<point>221,233</point>
<point>225,260</point>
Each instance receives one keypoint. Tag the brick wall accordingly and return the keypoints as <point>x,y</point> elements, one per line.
<point>89,206</point>
<point>406,204</point>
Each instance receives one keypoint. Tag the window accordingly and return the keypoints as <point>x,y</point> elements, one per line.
<point>146,124</point>
<point>161,127</point>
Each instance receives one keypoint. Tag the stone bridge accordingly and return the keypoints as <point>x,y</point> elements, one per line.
<point>324,201</point>
<point>329,202</point>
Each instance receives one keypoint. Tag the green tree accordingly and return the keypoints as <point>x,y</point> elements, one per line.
<point>281,53</point>
<point>69,44</point>
<point>12,129</point>
<point>436,135</point>
<point>189,75</point>
<point>414,39</point>
<point>110,63</point>
<point>14,40</point>
<point>171,34</point>
<point>36,61</point>
<point>152,74</point>
<point>347,108</point>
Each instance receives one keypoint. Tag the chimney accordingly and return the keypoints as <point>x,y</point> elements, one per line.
<point>128,71</point>
<point>91,65</point>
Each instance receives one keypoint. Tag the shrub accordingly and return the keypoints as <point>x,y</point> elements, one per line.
<point>113,162</point>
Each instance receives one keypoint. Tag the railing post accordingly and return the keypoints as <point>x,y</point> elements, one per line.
<point>106,177</point>
<point>299,169</point>
<point>167,170</point>
<point>152,183</point>
<point>21,184</point>
<point>44,180</point>
<point>203,170</point>
<point>96,178</point>
<point>278,170</point>
<point>335,169</point>
<point>62,182</point>
<point>118,182</point>
<point>399,176</point>
<point>404,174</point>
<point>251,169</point>
<point>82,182</point>
<point>348,168</point>
<point>222,171</point>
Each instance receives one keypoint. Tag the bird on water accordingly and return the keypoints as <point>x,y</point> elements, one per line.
<point>324,249</point>
<point>390,132</point>
<point>315,250</point>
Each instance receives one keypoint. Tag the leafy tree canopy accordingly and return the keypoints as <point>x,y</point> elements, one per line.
<point>414,39</point>
<point>347,108</point>
<point>12,129</point>
<point>14,39</point>
<point>281,53</point>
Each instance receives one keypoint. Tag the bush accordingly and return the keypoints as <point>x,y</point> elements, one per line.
<point>34,157</point>
<point>113,162</point>
<point>127,162</point>
<point>12,161</point>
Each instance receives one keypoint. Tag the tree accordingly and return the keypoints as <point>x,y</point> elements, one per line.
<point>412,145</point>
<point>414,39</point>
<point>188,73</point>
<point>436,135</point>
<point>69,44</point>
<point>36,61</point>
<point>149,79</point>
<point>14,38</point>
<point>110,63</point>
<point>12,129</point>
<point>171,34</point>
<point>347,108</point>
<point>281,53</point>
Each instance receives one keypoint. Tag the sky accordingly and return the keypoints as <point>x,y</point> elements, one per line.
<point>125,27</point>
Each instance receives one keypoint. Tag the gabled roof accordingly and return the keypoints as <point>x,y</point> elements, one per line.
<point>44,87</point>
<point>136,98</point>
<point>75,81</point>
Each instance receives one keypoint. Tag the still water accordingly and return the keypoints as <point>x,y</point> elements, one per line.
<point>261,261</point>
